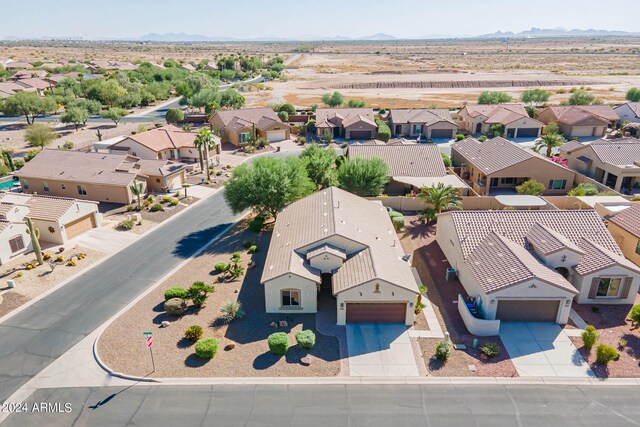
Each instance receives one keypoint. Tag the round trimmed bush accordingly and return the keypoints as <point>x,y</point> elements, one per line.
<point>175,306</point>
<point>459,137</point>
<point>278,343</point>
<point>206,348</point>
<point>193,333</point>
<point>176,292</point>
<point>220,267</point>
<point>156,208</point>
<point>605,354</point>
<point>398,222</point>
<point>257,223</point>
<point>306,339</point>
<point>394,214</point>
<point>253,249</point>
<point>247,244</point>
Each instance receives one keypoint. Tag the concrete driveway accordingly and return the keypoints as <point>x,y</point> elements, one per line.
<point>542,350</point>
<point>380,350</point>
<point>106,239</point>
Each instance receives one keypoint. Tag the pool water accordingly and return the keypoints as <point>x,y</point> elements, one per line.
<point>8,184</point>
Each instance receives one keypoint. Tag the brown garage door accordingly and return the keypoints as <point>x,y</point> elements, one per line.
<point>376,313</point>
<point>360,134</point>
<point>527,310</point>
<point>441,133</point>
<point>79,226</point>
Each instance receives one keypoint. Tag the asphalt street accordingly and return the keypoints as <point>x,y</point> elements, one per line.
<point>36,336</point>
<point>333,405</point>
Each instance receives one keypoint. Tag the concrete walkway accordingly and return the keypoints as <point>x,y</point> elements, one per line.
<point>435,331</point>
<point>380,350</point>
<point>543,350</point>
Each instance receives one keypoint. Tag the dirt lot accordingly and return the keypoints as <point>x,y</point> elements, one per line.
<point>122,345</point>
<point>612,324</point>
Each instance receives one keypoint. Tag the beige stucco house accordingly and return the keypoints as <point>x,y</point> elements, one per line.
<point>423,123</point>
<point>577,121</point>
<point>478,119</point>
<point>625,228</point>
<point>614,163</point>
<point>164,143</point>
<point>498,164</point>
<point>531,265</point>
<point>411,166</point>
<point>629,112</point>
<point>334,241</point>
<point>349,123</point>
<point>97,176</point>
<point>239,126</point>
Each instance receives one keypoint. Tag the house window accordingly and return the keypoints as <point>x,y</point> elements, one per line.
<point>609,287</point>
<point>494,182</point>
<point>45,186</point>
<point>417,129</point>
<point>508,181</point>
<point>244,137</point>
<point>82,190</point>
<point>638,248</point>
<point>25,184</point>
<point>16,244</point>
<point>172,154</point>
<point>557,184</point>
<point>290,297</point>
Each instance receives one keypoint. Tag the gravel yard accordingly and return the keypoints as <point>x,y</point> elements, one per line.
<point>31,283</point>
<point>612,325</point>
<point>122,346</point>
<point>149,219</point>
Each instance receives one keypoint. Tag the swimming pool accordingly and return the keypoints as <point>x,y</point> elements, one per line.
<point>6,185</point>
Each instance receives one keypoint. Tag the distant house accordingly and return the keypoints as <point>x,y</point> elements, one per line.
<point>211,65</point>
<point>350,123</point>
<point>528,266</point>
<point>187,67</point>
<point>411,166</point>
<point>28,74</point>
<point>629,112</point>
<point>428,124</point>
<point>614,163</point>
<point>625,228</point>
<point>239,126</point>
<point>352,253</point>
<point>577,121</point>
<point>35,84</point>
<point>17,65</point>
<point>10,88</point>
<point>478,119</point>
<point>163,143</point>
<point>97,176</point>
<point>498,164</point>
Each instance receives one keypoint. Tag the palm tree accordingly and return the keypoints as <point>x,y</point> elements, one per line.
<point>204,141</point>
<point>441,197</point>
<point>549,141</point>
<point>138,190</point>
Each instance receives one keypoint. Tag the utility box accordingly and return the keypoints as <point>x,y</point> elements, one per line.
<point>451,274</point>
<point>11,283</point>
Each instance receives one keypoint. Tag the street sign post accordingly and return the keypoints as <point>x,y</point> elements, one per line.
<point>149,339</point>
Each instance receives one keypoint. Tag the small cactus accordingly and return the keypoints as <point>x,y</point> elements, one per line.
<point>35,239</point>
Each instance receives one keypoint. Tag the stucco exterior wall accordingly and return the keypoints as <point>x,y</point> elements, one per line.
<point>583,283</point>
<point>388,293</point>
<point>135,149</point>
<point>8,233</point>
<point>326,262</point>
<point>360,126</point>
<point>99,193</point>
<point>308,294</point>
<point>479,327</point>
<point>346,245</point>
<point>626,114</point>
<point>627,242</point>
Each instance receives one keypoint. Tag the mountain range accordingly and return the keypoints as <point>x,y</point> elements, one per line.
<point>557,32</point>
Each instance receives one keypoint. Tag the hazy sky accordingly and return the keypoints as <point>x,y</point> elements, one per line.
<point>300,18</point>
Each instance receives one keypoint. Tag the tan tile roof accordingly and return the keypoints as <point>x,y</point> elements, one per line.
<point>546,241</point>
<point>628,219</point>
<point>498,113</point>
<point>407,160</point>
<point>159,167</point>
<point>34,83</point>
<point>326,249</point>
<point>27,74</point>
<point>357,118</point>
<point>576,113</point>
<point>495,154</point>
<point>576,226</point>
<point>621,152</point>
<point>165,137</point>
<point>498,263</point>
<point>306,224</point>
<point>75,166</point>
<point>247,117</point>
<point>420,115</point>
<point>569,146</point>
<point>337,116</point>
<point>598,258</point>
<point>45,208</point>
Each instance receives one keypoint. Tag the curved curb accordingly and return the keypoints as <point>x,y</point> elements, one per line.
<point>111,372</point>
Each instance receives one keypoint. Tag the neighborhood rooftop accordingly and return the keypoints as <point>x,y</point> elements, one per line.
<point>621,152</point>
<point>420,115</point>
<point>576,113</point>
<point>45,208</point>
<point>410,160</point>
<point>629,219</point>
<point>165,137</point>
<point>261,118</point>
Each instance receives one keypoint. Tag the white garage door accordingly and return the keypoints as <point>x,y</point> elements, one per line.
<point>582,131</point>
<point>276,135</point>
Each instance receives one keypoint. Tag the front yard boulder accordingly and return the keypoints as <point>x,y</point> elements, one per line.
<point>278,343</point>
<point>177,292</point>
<point>175,306</point>
<point>306,339</point>
<point>206,348</point>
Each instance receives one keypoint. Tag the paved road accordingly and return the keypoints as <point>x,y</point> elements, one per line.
<point>35,337</point>
<point>339,405</point>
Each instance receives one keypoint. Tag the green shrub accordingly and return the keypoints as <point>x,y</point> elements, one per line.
<point>443,350</point>
<point>584,189</point>
<point>257,223</point>
<point>231,311</point>
<point>394,214</point>
<point>198,293</point>
<point>247,244</point>
<point>151,198</point>
<point>127,224</point>
<point>166,199</point>
<point>306,339</point>
<point>220,267</point>
<point>384,133</point>
<point>605,354</point>
<point>483,138</point>
<point>589,337</point>
<point>193,333</point>
<point>459,137</point>
<point>634,314</point>
<point>398,222</point>
<point>174,202</point>
<point>278,343</point>
<point>206,348</point>
<point>490,349</point>
<point>156,207</point>
<point>175,306</point>
<point>253,249</point>
<point>176,292</point>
